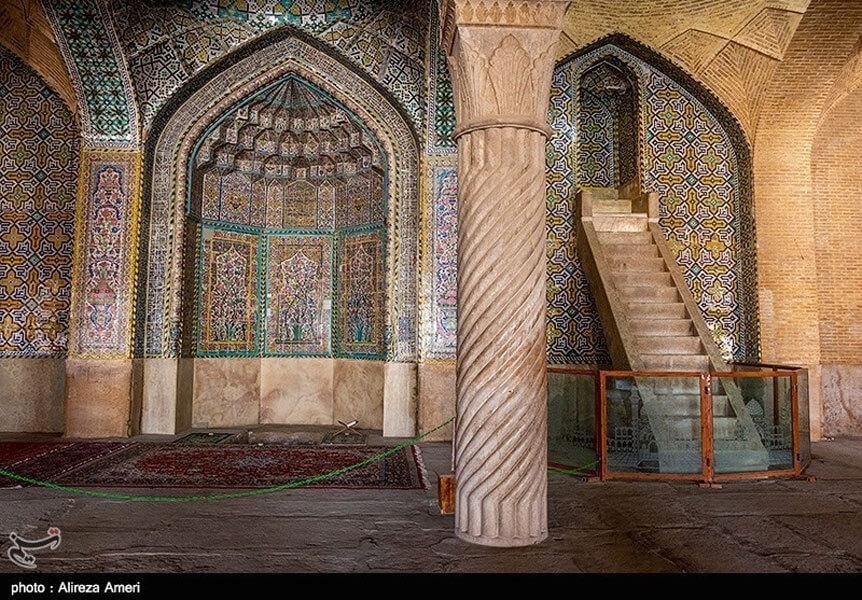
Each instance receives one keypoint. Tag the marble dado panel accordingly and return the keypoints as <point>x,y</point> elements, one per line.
<point>237,392</point>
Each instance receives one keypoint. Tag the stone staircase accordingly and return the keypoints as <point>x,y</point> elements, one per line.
<point>652,323</point>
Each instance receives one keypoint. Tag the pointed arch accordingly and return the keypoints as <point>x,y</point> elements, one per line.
<point>609,94</point>
<point>655,76</point>
<point>198,104</point>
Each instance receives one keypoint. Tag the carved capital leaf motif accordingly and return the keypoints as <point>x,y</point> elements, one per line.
<point>455,14</point>
<point>502,57</point>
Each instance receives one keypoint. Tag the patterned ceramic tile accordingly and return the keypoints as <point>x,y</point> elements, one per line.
<point>90,46</point>
<point>167,43</point>
<point>574,330</point>
<point>106,246</point>
<point>228,293</point>
<point>298,293</point>
<point>38,175</point>
<point>388,174</point>
<point>687,156</point>
<point>441,103</point>
<point>360,307</point>
<point>444,262</point>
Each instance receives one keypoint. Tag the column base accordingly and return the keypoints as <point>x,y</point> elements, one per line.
<point>502,542</point>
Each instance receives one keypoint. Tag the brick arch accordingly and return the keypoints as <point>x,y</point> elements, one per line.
<point>793,106</point>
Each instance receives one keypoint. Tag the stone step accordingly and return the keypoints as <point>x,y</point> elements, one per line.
<point>635,263</point>
<point>687,427</point>
<point>675,362</point>
<point>724,427</point>
<point>621,223</point>
<point>662,327</point>
<point>612,206</point>
<point>656,310</point>
<point>670,344</point>
<point>637,250</point>
<point>666,387</point>
<point>721,407</point>
<point>681,427</point>
<point>623,278</point>
<point>604,193</point>
<point>625,237</point>
<point>643,293</point>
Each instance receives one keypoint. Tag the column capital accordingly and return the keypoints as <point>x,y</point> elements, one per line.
<point>501,55</point>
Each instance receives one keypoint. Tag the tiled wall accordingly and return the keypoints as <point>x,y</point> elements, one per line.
<point>39,155</point>
<point>290,191</point>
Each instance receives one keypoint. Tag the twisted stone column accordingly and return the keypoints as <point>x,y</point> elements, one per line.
<point>501,56</point>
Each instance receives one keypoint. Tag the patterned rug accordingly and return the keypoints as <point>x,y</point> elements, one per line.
<point>151,465</point>
<point>49,460</point>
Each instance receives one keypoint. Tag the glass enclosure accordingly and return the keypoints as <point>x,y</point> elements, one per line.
<point>653,424</point>
<point>748,422</point>
<point>752,422</point>
<point>572,420</point>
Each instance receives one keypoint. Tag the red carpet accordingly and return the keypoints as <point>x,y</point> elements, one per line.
<point>150,465</point>
<point>49,460</point>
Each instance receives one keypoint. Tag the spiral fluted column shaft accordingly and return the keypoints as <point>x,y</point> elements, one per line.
<point>501,56</point>
<point>501,431</point>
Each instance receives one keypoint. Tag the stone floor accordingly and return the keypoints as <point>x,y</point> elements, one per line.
<point>755,526</point>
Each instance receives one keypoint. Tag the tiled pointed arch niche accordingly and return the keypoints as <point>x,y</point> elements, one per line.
<point>278,279</point>
<point>681,143</point>
<point>289,190</point>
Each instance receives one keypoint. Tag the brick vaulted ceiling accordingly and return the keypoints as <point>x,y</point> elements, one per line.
<point>732,46</point>
<point>25,30</point>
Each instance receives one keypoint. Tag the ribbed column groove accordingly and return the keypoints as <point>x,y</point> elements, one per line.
<point>501,431</point>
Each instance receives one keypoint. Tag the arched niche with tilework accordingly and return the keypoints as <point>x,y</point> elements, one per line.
<point>182,157</point>
<point>693,152</point>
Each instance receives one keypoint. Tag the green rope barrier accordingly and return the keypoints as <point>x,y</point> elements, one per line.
<point>575,471</point>
<point>257,492</point>
<point>228,495</point>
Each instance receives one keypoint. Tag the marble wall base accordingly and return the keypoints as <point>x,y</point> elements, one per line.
<point>436,399</point>
<point>399,399</point>
<point>841,397</point>
<point>296,391</point>
<point>159,391</point>
<point>98,397</point>
<point>226,392</point>
<point>239,392</point>
<point>358,392</point>
<point>32,394</point>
